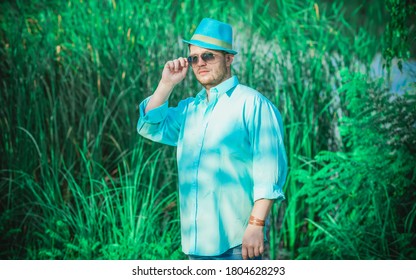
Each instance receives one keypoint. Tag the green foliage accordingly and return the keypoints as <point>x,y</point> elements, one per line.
<point>364,196</point>
<point>397,32</point>
<point>123,215</point>
<point>302,50</point>
<point>77,182</point>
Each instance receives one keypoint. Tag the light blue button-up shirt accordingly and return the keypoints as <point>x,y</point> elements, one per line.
<point>230,153</point>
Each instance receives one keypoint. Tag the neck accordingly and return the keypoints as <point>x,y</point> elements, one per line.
<point>208,87</point>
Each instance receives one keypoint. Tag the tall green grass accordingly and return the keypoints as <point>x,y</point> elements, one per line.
<point>77,182</point>
<point>74,74</point>
<point>122,215</point>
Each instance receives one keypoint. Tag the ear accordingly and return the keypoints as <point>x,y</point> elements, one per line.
<point>229,59</point>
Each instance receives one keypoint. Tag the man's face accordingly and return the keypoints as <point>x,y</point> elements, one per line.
<point>215,70</point>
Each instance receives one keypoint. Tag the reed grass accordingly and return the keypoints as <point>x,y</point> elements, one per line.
<point>77,182</point>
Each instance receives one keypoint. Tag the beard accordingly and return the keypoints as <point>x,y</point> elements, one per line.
<point>214,77</point>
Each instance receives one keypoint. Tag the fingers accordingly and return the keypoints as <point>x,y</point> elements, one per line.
<point>250,251</point>
<point>177,65</point>
<point>261,249</point>
<point>174,71</point>
<point>256,252</point>
<point>244,252</point>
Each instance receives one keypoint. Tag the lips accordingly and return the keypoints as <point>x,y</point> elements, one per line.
<point>202,72</point>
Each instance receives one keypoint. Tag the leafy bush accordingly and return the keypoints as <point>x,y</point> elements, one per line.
<point>364,196</point>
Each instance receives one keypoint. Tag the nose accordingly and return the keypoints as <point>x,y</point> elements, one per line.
<point>201,62</point>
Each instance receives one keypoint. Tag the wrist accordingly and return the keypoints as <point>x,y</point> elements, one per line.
<point>163,91</point>
<point>165,88</point>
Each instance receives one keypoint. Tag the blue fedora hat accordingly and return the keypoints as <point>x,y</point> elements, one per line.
<point>213,34</point>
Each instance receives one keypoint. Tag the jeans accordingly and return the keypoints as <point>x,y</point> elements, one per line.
<point>231,254</point>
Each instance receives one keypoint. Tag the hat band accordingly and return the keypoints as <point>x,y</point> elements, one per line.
<point>212,41</point>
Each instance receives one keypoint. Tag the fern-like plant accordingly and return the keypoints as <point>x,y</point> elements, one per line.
<point>365,194</point>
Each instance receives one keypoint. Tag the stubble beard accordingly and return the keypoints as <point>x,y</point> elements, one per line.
<point>216,80</point>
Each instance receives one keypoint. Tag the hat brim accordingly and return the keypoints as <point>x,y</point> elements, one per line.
<point>209,46</point>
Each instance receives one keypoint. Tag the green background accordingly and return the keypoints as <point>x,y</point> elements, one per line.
<point>78,182</point>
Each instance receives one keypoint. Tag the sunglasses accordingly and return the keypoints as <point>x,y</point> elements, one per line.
<point>208,57</point>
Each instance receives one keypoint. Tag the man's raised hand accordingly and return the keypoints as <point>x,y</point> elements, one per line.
<point>174,71</point>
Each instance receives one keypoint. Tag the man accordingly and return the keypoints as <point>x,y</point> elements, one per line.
<point>231,158</point>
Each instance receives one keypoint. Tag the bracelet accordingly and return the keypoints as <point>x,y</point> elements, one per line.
<point>255,221</point>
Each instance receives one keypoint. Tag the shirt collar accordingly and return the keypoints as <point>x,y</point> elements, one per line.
<point>225,87</point>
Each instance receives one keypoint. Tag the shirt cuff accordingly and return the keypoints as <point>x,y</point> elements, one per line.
<point>155,115</point>
<point>268,192</point>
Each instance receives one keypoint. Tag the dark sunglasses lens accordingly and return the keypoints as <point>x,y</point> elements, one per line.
<point>193,59</point>
<point>207,57</point>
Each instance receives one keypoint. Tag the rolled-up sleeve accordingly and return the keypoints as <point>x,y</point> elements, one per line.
<point>269,154</point>
<point>161,124</point>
